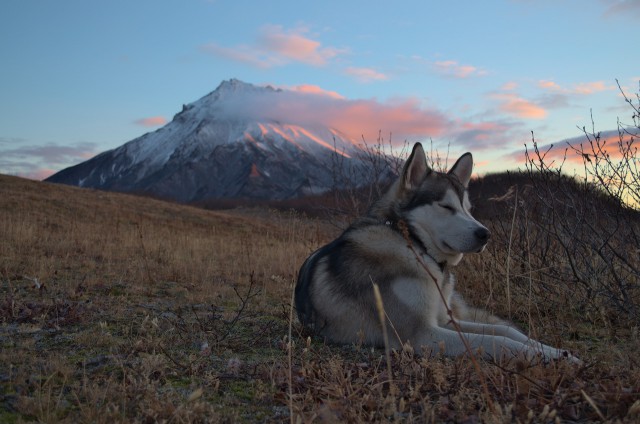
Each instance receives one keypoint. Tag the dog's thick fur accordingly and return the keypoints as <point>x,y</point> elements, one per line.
<point>407,245</point>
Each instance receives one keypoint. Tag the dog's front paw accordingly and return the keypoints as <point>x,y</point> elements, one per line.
<point>565,354</point>
<point>561,355</point>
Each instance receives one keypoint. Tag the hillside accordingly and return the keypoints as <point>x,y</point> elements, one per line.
<point>121,308</point>
<point>114,273</point>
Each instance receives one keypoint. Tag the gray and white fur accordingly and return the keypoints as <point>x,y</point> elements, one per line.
<point>407,244</point>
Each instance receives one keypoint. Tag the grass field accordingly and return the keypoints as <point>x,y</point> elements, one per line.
<point>116,308</point>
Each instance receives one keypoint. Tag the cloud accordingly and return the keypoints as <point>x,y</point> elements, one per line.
<point>582,88</point>
<point>153,121</point>
<point>553,100</point>
<point>556,96</point>
<point>244,54</point>
<point>560,151</point>
<point>37,161</point>
<point>483,135</point>
<point>314,89</point>
<point>403,119</point>
<point>295,46</point>
<point>453,69</point>
<point>623,8</point>
<point>356,118</point>
<point>275,46</point>
<point>591,87</point>
<point>12,140</point>
<point>38,174</point>
<point>366,74</point>
<point>609,139</point>
<point>517,106</point>
<point>549,85</point>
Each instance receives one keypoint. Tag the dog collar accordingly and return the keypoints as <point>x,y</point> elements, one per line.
<point>406,231</point>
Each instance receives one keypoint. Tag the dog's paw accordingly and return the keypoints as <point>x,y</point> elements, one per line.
<point>557,354</point>
<point>566,355</point>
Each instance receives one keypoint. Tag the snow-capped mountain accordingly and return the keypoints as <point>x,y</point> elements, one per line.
<point>219,147</point>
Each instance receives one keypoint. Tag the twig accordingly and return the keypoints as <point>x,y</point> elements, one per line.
<point>405,232</point>
<point>593,405</point>
<point>144,254</point>
<point>385,336</point>
<point>290,355</point>
<point>513,222</point>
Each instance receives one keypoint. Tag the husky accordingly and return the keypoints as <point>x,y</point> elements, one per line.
<point>407,245</point>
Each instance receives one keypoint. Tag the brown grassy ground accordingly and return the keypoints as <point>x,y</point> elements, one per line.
<point>115,308</point>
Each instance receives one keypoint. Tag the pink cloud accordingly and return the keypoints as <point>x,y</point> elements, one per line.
<point>275,46</point>
<point>402,118</point>
<point>608,139</point>
<point>409,119</point>
<point>366,74</point>
<point>153,121</point>
<point>509,86</point>
<point>453,69</point>
<point>314,89</point>
<point>481,164</point>
<point>591,87</point>
<point>355,118</point>
<point>38,174</point>
<point>295,46</point>
<point>549,85</point>
<point>556,96</point>
<point>308,106</point>
<point>582,88</point>
<point>554,153</point>
<point>514,105</point>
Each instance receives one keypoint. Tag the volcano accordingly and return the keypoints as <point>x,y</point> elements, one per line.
<point>218,147</point>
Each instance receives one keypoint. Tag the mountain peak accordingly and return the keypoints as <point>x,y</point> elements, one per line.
<point>236,85</point>
<point>230,94</point>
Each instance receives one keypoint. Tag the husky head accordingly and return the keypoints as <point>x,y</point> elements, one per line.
<point>436,207</point>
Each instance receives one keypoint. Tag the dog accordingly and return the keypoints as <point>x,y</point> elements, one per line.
<point>407,245</point>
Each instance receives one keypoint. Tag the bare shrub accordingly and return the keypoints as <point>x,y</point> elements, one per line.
<point>361,179</point>
<point>583,232</point>
<point>614,169</point>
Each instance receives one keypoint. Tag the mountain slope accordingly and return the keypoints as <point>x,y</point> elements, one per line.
<point>215,148</point>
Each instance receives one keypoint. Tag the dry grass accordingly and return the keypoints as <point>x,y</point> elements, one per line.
<point>115,308</point>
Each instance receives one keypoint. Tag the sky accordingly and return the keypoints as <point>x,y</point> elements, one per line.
<point>79,77</point>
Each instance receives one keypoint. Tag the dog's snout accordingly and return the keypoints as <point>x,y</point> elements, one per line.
<point>482,234</point>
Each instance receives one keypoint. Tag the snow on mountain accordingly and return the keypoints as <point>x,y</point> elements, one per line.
<point>224,145</point>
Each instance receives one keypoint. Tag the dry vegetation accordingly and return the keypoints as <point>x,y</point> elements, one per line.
<point>115,308</point>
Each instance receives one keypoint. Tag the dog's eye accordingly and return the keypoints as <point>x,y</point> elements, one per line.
<point>448,207</point>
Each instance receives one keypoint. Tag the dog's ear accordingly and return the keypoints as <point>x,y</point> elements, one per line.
<point>462,168</point>
<point>416,168</point>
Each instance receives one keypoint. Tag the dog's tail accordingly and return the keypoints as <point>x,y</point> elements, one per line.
<point>303,299</point>
<point>304,303</point>
<point>304,306</point>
